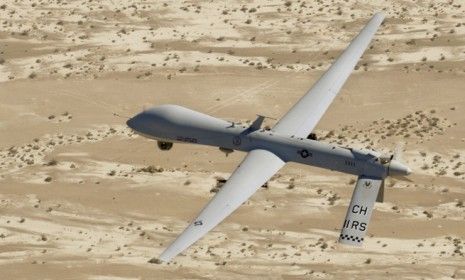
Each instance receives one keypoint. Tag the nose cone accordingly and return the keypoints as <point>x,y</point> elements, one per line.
<point>397,168</point>
<point>136,123</point>
<point>131,123</point>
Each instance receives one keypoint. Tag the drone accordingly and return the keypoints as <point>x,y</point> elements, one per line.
<point>268,150</point>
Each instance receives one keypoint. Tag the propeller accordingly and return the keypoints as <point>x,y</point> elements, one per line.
<point>397,156</point>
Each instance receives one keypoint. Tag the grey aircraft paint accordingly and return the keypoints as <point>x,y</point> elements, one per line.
<point>178,124</point>
<point>269,150</point>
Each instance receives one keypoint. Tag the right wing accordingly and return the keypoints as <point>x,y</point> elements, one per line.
<point>359,212</point>
<point>306,113</point>
<point>256,168</point>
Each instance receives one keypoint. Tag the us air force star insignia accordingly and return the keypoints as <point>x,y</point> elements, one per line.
<point>237,140</point>
<point>304,153</point>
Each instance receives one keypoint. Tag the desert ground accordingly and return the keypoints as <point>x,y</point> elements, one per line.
<point>83,197</point>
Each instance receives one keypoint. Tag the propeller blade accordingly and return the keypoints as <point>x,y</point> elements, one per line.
<point>403,178</point>
<point>380,197</point>
<point>398,151</point>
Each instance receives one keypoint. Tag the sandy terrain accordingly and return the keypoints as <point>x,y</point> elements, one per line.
<point>82,197</point>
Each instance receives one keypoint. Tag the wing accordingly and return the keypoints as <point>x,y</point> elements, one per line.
<point>359,211</point>
<point>306,113</point>
<point>256,168</point>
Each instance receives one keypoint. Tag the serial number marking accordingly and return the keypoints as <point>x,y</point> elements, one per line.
<point>355,225</point>
<point>349,162</point>
<point>357,209</point>
<point>186,139</point>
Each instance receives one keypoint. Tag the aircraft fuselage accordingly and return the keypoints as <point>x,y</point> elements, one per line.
<point>174,123</point>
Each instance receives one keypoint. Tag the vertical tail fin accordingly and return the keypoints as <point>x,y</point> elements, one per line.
<point>359,212</point>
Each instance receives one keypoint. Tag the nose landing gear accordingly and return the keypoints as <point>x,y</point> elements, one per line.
<point>312,136</point>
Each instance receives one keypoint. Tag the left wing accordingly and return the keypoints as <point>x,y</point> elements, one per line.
<point>256,168</point>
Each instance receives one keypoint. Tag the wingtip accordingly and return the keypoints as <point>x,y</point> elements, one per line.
<point>380,15</point>
<point>165,258</point>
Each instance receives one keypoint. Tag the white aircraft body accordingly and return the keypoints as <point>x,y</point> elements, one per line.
<point>269,150</point>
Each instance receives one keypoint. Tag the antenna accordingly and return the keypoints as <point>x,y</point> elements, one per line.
<point>257,124</point>
<point>266,117</point>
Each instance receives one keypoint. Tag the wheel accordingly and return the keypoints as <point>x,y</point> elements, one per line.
<point>164,146</point>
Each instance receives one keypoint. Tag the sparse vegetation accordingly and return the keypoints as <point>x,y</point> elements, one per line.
<point>154,261</point>
<point>459,203</point>
<point>52,162</point>
<point>428,214</point>
<point>333,198</point>
<point>220,181</point>
<point>151,169</point>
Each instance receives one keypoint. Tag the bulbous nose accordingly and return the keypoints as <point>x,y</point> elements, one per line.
<point>397,168</point>
<point>132,123</point>
<point>136,123</point>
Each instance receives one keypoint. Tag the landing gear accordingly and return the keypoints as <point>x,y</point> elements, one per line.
<point>226,150</point>
<point>312,136</point>
<point>164,146</point>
